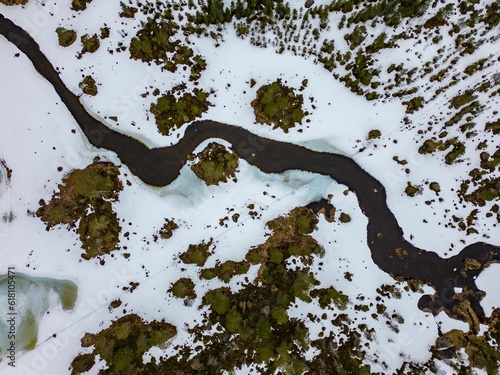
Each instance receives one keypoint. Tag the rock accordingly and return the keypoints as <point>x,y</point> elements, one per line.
<point>444,347</point>
<point>309,3</point>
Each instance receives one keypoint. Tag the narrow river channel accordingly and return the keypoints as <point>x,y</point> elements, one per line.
<point>389,249</point>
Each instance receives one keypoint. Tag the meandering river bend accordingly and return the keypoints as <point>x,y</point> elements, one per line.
<point>389,249</point>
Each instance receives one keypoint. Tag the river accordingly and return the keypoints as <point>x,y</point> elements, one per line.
<point>389,249</point>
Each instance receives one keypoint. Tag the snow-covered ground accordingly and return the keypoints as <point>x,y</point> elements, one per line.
<point>36,139</point>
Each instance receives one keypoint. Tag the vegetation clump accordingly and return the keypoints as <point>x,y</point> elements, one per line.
<point>215,164</point>
<point>183,288</point>
<point>122,345</point>
<point>167,230</point>
<point>493,126</point>
<point>78,5</point>
<point>476,66</point>
<point>460,100</point>
<point>198,66</point>
<point>357,37</point>
<point>255,327</point>
<point>90,44</point>
<point>13,2</point>
<point>82,363</point>
<point>482,350</point>
<point>414,104</point>
<point>430,146</point>
<point>89,86</point>
<point>153,40</point>
<point>127,11</point>
<point>197,254</point>
<point>234,314</point>
<point>374,134</point>
<point>439,19</point>
<point>344,218</point>
<point>412,190</point>
<point>156,42</point>
<point>457,148</point>
<point>327,296</point>
<point>8,171</point>
<point>278,105</point>
<point>173,110</point>
<point>85,200</point>
<point>226,271</point>
<point>434,186</point>
<point>485,190</point>
<point>66,37</point>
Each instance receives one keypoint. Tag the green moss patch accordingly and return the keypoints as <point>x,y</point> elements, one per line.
<point>482,349</point>
<point>105,32</point>
<point>7,169</point>
<point>88,86</point>
<point>66,37</point>
<point>215,164</point>
<point>90,44</point>
<point>493,126</point>
<point>431,145</point>
<point>156,42</point>
<point>461,100</point>
<point>68,293</point>
<point>414,104</point>
<point>79,5</point>
<point>434,186</point>
<point>226,271</point>
<point>84,199</point>
<point>167,230</point>
<point>485,190</point>
<point>412,190</point>
<point>183,288</point>
<point>177,107</point>
<point>278,105</point>
<point>13,2</point>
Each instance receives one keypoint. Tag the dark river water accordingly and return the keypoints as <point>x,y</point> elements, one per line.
<point>389,249</point>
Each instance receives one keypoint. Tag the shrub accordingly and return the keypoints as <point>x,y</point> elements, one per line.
<point>88,86</point>
<point>216,164</point>
<point>66,37</point>
<point>278,105</point>
<point>90,43</point>
<point>172,112</point>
